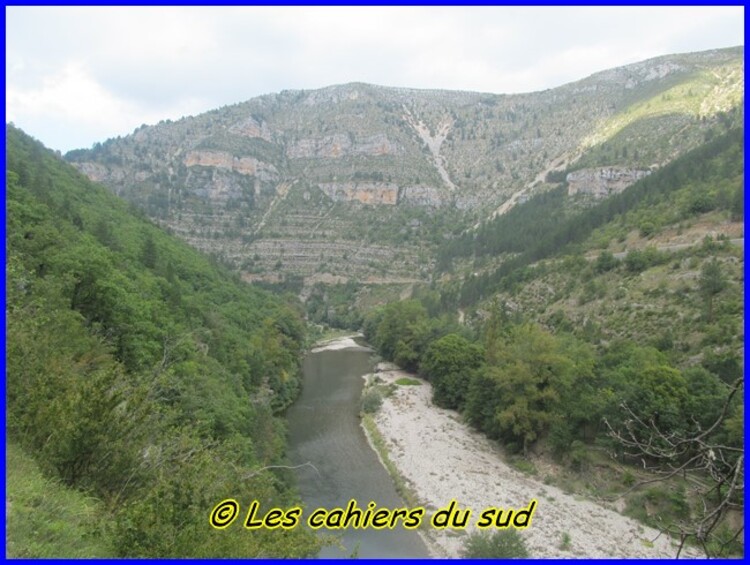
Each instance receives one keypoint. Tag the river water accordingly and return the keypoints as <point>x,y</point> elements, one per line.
<point>324,430</point>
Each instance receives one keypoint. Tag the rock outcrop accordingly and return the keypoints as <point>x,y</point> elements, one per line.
<point>253,128</point>
<point>424,196</point>
<point>603,182</point>
<point>221,160</point>
<point>101,173</point>
<point>364,192</point>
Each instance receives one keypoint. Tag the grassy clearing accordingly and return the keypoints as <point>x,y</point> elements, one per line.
<point>406,381</point>
<point>523,465</point>
<point>703,93</point>
<point>46,519</point>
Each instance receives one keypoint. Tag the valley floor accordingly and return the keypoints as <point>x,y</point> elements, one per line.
<point>441,459</point>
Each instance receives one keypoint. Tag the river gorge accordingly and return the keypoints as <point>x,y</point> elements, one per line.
<point>440,458</point>
<point>324,431</point>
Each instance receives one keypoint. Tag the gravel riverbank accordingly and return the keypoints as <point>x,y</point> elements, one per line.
<point>442,459</point>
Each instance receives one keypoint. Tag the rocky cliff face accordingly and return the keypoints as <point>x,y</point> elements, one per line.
<point>603,182</point>
<point>365,181</point>
<point>252,128</point>
<point>364,193</point>
<point>221,160</point>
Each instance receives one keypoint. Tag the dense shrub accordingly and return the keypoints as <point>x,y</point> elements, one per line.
<point>502,544</point>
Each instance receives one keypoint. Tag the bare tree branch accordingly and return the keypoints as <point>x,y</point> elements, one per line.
<point>259,471</point>
<point>715,468</point>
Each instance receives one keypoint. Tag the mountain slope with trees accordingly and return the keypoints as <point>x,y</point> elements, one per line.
<point>554,320</point>
<point>707,178</point>
<point>138,372</point>
<point>365,183</point>
<point>592,348</point>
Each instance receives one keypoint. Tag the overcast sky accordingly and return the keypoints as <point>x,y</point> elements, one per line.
<point>77,75</point>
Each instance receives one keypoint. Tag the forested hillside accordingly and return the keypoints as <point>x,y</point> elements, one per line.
<point>138,373</point>
<point>707,178</point>
<point>598,342</point>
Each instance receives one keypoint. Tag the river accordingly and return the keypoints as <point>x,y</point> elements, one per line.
<point>324,430</point>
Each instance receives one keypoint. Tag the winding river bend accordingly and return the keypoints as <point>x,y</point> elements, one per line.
<point>324,430</point>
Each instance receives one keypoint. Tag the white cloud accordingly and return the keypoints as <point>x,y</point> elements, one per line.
<point>75,101</point>
<point>71,94</point>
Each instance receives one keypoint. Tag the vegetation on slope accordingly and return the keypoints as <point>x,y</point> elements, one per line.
<point>267,184</point>
<point>709,177</point>
<point>47,519</point>
<point>700,93</point>
<point>521,384</point>
<point>137,372</point>
<point>638,354</point>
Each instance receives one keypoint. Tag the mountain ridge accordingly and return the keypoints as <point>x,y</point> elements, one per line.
<point>308,182</point>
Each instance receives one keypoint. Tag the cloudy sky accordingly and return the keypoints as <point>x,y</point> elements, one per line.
<point>77,75</point>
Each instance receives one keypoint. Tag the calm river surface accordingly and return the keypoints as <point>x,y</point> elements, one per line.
<point>324,430</point>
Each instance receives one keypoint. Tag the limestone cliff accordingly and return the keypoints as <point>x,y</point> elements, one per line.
<point>221,160</point>
<point>365,193</point>
<point>603,182</point>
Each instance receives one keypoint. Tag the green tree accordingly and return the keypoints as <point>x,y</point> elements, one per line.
<point>393,325</point>
<point>415,338</point>
<point>584,395</point>
<point>482,402</point>
<point>713,458</point>
<point>529,370</point>
<point>706,394</point>
<point>642,379</point>
<point>712,281</point>
<point>449,363</point>
<point>605,262</point>
<point>660,393</point>
<point>149,255</point>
